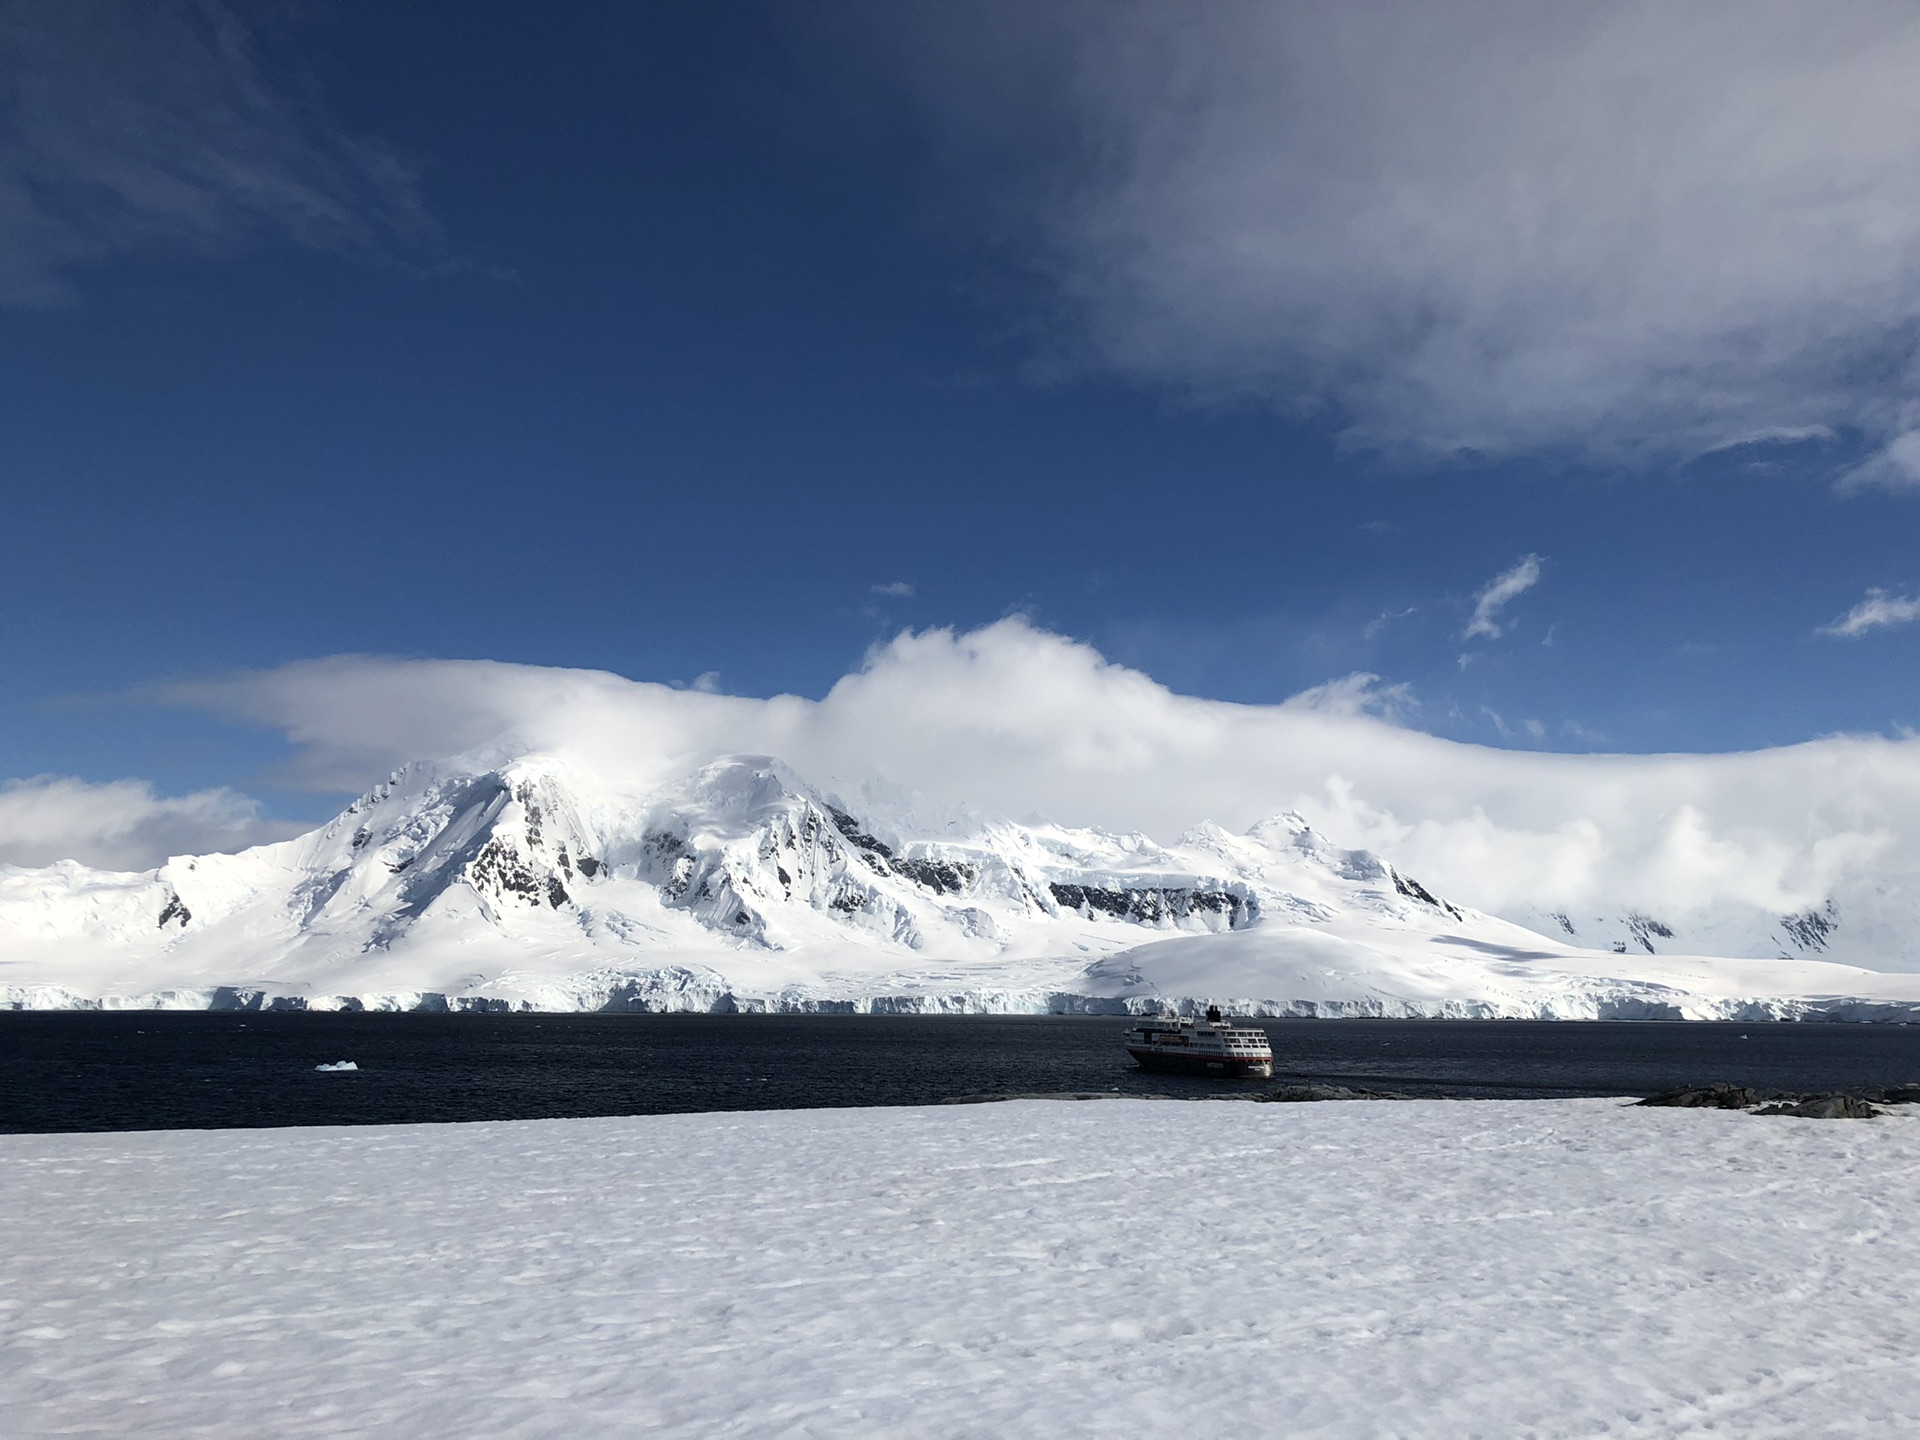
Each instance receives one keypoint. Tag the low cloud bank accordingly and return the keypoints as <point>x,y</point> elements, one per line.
<point>123,824</point>
<point>1020,721</point>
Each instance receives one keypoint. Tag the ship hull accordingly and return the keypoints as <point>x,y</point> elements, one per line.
<point>1229,1067</point>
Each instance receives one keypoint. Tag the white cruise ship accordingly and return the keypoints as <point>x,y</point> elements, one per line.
<point>1210,1047</point>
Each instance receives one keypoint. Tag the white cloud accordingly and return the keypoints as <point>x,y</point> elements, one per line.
<point>152,125</point>
<point>1017,720</point>
<point>900,589</point>
<point>1384,619</point>
<point>1635,227</point>
<point>1880,610</point>
<point>123,824</point>
<point>1895,466</point>
<point>1360,693</point>
<point>1498,593</point>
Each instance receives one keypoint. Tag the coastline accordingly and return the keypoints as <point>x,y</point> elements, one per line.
<point>595,996</point>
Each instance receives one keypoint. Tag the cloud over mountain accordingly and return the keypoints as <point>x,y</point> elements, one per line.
<point>1021,721</point>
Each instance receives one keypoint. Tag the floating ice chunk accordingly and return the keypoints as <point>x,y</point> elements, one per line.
<point>338,1065</point>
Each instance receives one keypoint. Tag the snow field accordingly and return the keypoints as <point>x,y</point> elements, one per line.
<point>1431,1268</point>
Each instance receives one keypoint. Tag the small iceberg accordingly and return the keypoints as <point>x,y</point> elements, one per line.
<point>338,1065</point>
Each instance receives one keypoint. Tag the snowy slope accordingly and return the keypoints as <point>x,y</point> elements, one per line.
<point>528,884</point>
<point>1427,1269</point>
<point>1344,969</point>
<point>1729,928</point>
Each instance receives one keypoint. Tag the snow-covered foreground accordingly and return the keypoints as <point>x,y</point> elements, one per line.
<point>1432,1268</point>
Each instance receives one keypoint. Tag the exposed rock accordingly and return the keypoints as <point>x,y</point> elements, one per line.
<point>1414,890</point>
<point>1295,1094</point>
<point>1811,931</point>
<point>1826,1107</point>
<point>500,869</point>
<point>1048,1095</point>
<point>1717,1096</point>
<point>1860,1105</point>
<point>1644,928</point>
<point>1156,904</point>
<point>850,827</point>
<point>943,877</point>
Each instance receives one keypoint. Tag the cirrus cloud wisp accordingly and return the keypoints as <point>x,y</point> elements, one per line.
<point>1640,229</point>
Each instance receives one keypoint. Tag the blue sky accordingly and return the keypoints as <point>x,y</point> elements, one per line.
<point>698,341</point>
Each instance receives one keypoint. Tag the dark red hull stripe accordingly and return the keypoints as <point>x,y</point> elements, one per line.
<point>1160,1060</point>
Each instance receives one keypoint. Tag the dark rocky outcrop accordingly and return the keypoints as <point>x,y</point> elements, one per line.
<point>1297,1094</point>
<point>1811,931</point>
<point>851,828</point>
<point>1825,1107</point>
<point>1849,1105</point>
<point>1414,890</point>
<point>1153,904</point>
<point>1644,928</point>
<point>943,877</point>
<point>990,1099</point>
<point>1718,1096</point>
<point>502,870</point>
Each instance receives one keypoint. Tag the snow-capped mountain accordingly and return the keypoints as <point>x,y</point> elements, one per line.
<point>1814,933</point>
<point>741,886</point>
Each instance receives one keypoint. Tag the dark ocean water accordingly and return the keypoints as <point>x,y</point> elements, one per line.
<point>147,1070</point>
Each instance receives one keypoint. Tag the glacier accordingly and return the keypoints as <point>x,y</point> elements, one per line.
<point>530,883</point>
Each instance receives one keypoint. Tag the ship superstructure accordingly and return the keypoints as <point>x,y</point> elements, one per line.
<point>1214,1046</point>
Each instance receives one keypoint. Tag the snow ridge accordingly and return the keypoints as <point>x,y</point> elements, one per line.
<point>525,884</point>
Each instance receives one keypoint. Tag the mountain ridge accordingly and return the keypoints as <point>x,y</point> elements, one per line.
<point>525,884</point>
